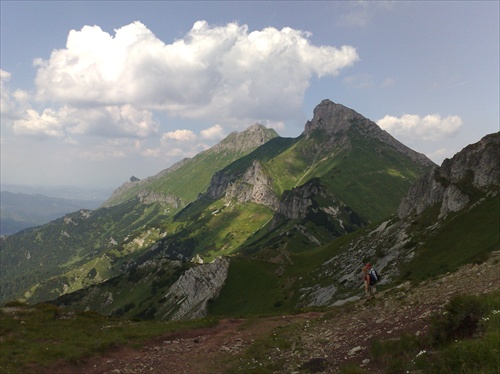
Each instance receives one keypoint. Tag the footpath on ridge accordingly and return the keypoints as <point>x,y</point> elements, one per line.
<point>337,337</point>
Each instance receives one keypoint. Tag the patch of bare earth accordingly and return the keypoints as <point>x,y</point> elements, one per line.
<point>331,340</point>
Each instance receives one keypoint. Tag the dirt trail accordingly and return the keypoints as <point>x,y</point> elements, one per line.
<point>341,338</point>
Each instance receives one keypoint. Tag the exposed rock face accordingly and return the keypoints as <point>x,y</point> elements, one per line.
<point>335,120</point>
<point>300,201</point>
<point>188,297</point>
<point>253,137</point>
<point>150,197</point>
<point>219,184</point>
<point>476,167</point>
<point>295,203</point>
<point>255,186</point>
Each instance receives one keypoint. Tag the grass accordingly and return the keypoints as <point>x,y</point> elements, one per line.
<point>37,337</point>
<point>464,237</point>
<point>463,339</point>
<point>246,279</point>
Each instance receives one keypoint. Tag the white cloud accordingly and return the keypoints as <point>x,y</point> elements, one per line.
<point>11,103</point>
<point>111,121</point>
<point>180,135</point>
<point>214,132</point>
<point>412,127</point>
<point>151,152</point>
<point>46,124</point>
<point>220,72</point>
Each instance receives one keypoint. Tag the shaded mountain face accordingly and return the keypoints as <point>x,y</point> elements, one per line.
<point>252,193</point>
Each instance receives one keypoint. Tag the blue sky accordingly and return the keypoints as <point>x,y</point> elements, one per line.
<point>95,92</point>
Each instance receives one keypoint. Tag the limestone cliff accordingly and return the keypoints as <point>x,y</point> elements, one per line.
<point>254,186</point>
<point>187,298</point>
<point>475,168</point>
<point>302,201</point>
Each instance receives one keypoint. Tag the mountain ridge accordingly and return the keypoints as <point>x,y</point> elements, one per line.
<point>284,214</point>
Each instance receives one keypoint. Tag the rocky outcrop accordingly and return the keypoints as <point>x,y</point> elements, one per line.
<point>254,186</point>
<point>297,203</point>
<point>187,298</point>
<point>219,184</point>
<point>245,141</point>
<point>250,185</point>
<point>150,197</point>
<point>334,120</point>
<point>453,185</point>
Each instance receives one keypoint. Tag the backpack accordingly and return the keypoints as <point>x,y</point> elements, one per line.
<point>374,277</point>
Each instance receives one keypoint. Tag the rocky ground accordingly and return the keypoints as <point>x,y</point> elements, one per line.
<point>316,340</point>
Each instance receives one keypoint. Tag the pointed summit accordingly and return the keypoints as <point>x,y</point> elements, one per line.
<point>335,122</point>
<point>331,117</point>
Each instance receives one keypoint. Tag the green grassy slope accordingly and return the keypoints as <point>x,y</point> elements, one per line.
<point>268,281</point>
<point>194,176</point>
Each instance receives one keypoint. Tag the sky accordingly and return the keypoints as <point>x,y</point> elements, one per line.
<point>94,92</point>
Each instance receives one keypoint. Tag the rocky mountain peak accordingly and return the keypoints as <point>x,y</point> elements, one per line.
<point>247,140</point>
<point>335,120</point>
<point>331,117</point>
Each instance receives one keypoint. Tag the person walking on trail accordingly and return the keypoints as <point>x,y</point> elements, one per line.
<point>369,282</point>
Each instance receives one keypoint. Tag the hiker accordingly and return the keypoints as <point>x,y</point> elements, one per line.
<point>369,281</point>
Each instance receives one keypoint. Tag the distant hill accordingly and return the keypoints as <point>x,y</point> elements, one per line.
<point>19,211</point>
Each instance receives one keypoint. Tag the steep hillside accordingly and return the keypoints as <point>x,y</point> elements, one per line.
<point>407,246</point>
<point>244,210</point>
<point>277,205</point>
<point>181,183</point>
<point>88,247</point>
<point>280,278</point>
<point>340,174</point>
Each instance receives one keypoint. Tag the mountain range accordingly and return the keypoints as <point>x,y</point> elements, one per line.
<point>21,210</point>
<point>260,223</point>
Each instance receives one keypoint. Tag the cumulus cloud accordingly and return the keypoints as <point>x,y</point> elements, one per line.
<point>103,86</point>
<point>180,135</point>
<point>110,121</point>
<point>413,127</point>
<point>214,132</point>
<point>11,103</point>
<point>46,124</point>
<point>220,72</point>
